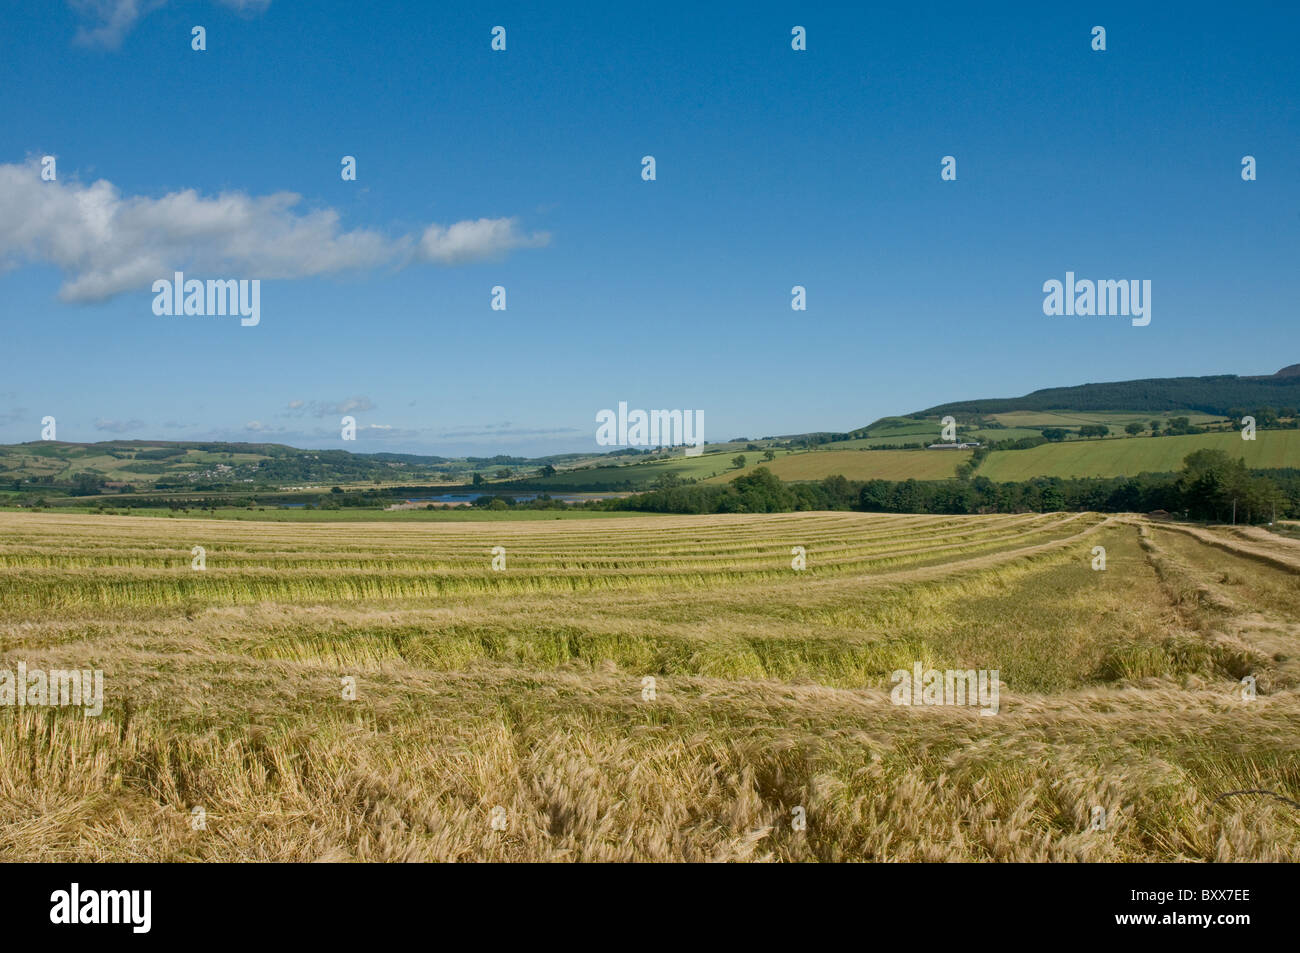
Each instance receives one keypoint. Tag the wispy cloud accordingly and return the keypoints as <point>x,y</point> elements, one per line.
<point>324,408</point>
<point>365,433</point>
<point>109,21</point>
<point>117,426</point>
<point>505,430</point>
<point>106,243</point>
<point>386,432</point>
<point>112,19</point>
<point>13,415</point>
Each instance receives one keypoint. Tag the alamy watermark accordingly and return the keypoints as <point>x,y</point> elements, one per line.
<point>951,687</point>
<point>129,907</point>
<point>215,297</point>
<point>654,428</point>
<point>57,688</point>
<point>1104,297</point>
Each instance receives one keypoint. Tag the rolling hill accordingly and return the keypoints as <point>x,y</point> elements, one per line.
<point>1168,419</point>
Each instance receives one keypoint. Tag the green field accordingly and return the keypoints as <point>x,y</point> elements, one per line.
<point>1134,455</point>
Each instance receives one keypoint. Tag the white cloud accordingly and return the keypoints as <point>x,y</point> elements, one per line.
<point>475,241</point>
<point>106,243</point>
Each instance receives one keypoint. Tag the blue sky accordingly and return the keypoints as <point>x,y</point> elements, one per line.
<point>775,168</point>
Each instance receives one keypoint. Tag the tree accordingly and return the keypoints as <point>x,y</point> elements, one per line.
<point>1094,430</point>
<point>1134,429</point>
<point>86,484</point>
<point>1055,434</point>
<point>1210,481</point>
<point>478,479</point>
<point>839,492</point>
<point>548,471</point>
<point>769,455</point>
<point>759,492</point>
<point>738,461</point>
<point>1155,428</point>
<point>503,474</point>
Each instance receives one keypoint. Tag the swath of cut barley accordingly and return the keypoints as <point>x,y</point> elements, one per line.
<point>522,690</point>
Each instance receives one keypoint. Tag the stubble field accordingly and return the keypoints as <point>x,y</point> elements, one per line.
<point>519,696</point>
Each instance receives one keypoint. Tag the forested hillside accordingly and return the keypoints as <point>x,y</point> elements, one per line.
<point>1221,394</point>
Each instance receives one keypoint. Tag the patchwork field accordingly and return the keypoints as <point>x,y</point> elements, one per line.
<point>858,465</point>
<point>521,696</point>
<point>934,434</point>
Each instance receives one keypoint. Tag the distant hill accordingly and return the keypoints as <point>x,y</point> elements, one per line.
<point>179,463</point>
<point>1210,395</point>
<point>1011,428</point>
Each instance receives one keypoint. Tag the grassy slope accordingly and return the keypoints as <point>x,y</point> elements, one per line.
<point>1130,456</point>
<point>1116,420</point>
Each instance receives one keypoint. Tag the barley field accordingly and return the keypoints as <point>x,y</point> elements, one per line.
<point>507,714</point>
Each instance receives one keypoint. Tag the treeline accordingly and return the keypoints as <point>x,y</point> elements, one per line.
<point>1207,488</point>
<point>758,491</point>
<point>1144,494</point>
